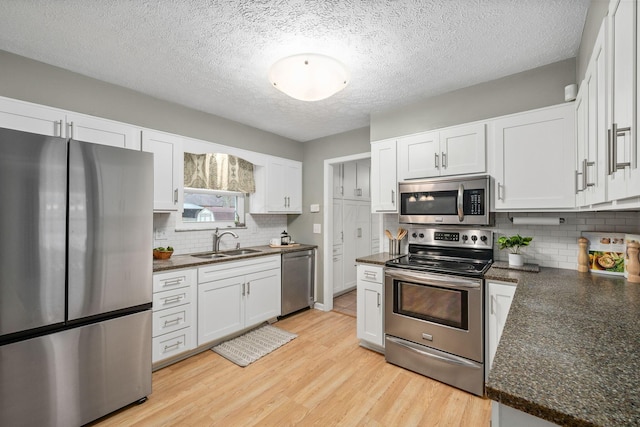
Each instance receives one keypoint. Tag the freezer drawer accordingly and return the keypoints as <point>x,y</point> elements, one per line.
<point>76,376</point>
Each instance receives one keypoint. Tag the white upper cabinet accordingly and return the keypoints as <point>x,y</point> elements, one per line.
<point>591,127</point>
<point>534,159</point>
<point>33,118</point>
<point>284,186</point>
<point>354,180</point>
<point>384,181</point>
<point>622,149</point>
<point>452,151</point>
<point>102,131</point>
<point>419,156</point>
<point>167,169</point>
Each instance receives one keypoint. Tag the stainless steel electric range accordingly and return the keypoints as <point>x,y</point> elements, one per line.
<point>434,305</point>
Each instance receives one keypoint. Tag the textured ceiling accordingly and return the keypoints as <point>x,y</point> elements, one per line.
<point>214,56</point>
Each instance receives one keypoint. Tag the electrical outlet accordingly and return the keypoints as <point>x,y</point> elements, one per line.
<point>317,228</point>
<point>161,234</point>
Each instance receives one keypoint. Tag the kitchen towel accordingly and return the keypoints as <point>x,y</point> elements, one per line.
<point>253,345</point>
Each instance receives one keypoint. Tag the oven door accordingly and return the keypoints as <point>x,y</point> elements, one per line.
<point>439,311</point>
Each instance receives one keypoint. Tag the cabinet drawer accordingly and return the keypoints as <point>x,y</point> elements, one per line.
<point>172,298</point>
<point>337,249</point>
<point>171,319</point>
<point>370,273</point>
<point>173,280</point>
<point>225,270</point>
<point>172,344</point>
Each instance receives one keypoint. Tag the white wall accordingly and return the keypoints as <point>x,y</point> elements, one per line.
<point>260,229</point>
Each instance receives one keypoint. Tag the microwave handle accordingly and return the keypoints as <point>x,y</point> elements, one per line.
<point>460,203</point>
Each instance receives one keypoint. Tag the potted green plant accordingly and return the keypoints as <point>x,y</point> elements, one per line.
<point>514,243</point>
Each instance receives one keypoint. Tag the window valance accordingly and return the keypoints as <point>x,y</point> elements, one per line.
<point>217,171</point>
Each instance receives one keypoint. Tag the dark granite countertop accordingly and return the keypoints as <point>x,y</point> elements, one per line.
<point>378,259</point>
<point>186,261</point>
<point>570,349</point>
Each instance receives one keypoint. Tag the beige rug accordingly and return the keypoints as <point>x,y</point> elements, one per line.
<point>253,345</point>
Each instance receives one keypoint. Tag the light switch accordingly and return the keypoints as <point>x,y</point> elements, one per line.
<point>317,229</point>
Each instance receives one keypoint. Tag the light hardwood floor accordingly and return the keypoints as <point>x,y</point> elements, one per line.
<point>321,378</point>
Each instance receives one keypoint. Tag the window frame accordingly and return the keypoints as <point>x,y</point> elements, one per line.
<point>212,225</point>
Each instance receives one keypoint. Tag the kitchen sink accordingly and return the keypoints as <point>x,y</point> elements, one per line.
<point>241,252</point>
<point>210,256</point>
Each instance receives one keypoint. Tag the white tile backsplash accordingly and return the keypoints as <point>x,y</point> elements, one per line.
<point>259,230</point>
<point>552,245</point>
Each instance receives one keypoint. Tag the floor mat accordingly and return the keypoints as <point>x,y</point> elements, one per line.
<point>253,345</point>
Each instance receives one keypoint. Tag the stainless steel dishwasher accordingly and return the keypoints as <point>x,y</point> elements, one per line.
<point>297,280</point>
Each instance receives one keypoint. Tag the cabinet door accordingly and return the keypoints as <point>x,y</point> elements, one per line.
<point>419,156</point>
<point>167,169</point>
<point>32,118</point>
<point>338,280</point>
<point>363,179</point>
<point>349,180</point>
<point>102,131</point>
<point>384,184</point>
<point>262,296</point>
<point>595,165</point>
<point>462,150</point>
<point>582,141</point>
<point>284,186</point>
<point>535,159</point>
<point>349,217</point>
<point>338,181</point>
<point>338,230</point>
<point>370,321</point>
<point>500,297</point>
<point>363,230</point>
<point>622,23</point>
<point>220,308</point>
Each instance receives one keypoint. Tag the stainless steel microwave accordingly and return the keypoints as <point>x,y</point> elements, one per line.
<point>452,201</point>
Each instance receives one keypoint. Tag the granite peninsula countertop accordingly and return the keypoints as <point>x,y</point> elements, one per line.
<point>570,349</point>
<point>377,259</point>
<point>186,261</point>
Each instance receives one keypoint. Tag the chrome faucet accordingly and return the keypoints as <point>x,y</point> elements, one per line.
<point>217,236</point>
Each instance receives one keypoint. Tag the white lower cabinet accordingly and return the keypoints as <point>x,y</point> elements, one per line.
<point>499,298</point>
<point>370,306</point>
<point>236,295</point>
<point>174,314</point>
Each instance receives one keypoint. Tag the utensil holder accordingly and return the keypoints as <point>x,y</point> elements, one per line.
<point>394,246</point>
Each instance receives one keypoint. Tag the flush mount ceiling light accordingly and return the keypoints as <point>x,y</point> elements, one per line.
<point>309,76</point>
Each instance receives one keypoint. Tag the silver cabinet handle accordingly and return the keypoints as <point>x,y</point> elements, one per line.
<point>378,293</point>
<point>248,288</point>
<point>444,160</point>
<point>370,274</point>
<point>172,300</point>
<point>436,161</point>
<point>175,196</point>
<point>585,174</point>
<point>243,289</point>
<point>59,123</point>
<point>172,321</point>
<point>172,282</point>
<point>176,345</point>
<point>359,232</point>
<point>342,236</point>
<point>619,132</point>
<point>576,181</point>
<point>491,309</point>
<point>342,190</point>
<point>500,195</point>
<point>393,197</point>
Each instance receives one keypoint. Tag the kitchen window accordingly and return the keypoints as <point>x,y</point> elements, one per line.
<point>208,209</point>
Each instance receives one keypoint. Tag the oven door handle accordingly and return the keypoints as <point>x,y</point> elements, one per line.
<point>461,203</point>
<point>434,354</point>
<point>448,282</point>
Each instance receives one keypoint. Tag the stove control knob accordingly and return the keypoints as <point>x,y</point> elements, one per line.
<point>483,238</point>
<point>414,235</point>
<point>474,238</point>
<point>422,235</point>
<point>465,237</point>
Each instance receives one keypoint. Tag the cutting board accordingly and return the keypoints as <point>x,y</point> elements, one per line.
<point>290,245</point>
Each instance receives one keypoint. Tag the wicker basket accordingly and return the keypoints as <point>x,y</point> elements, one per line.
<point>162,254</point>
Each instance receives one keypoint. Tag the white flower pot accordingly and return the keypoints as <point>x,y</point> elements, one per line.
<point>516,260</point>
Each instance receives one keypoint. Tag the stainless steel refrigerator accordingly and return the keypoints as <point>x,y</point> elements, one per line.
<point>76,223</point>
